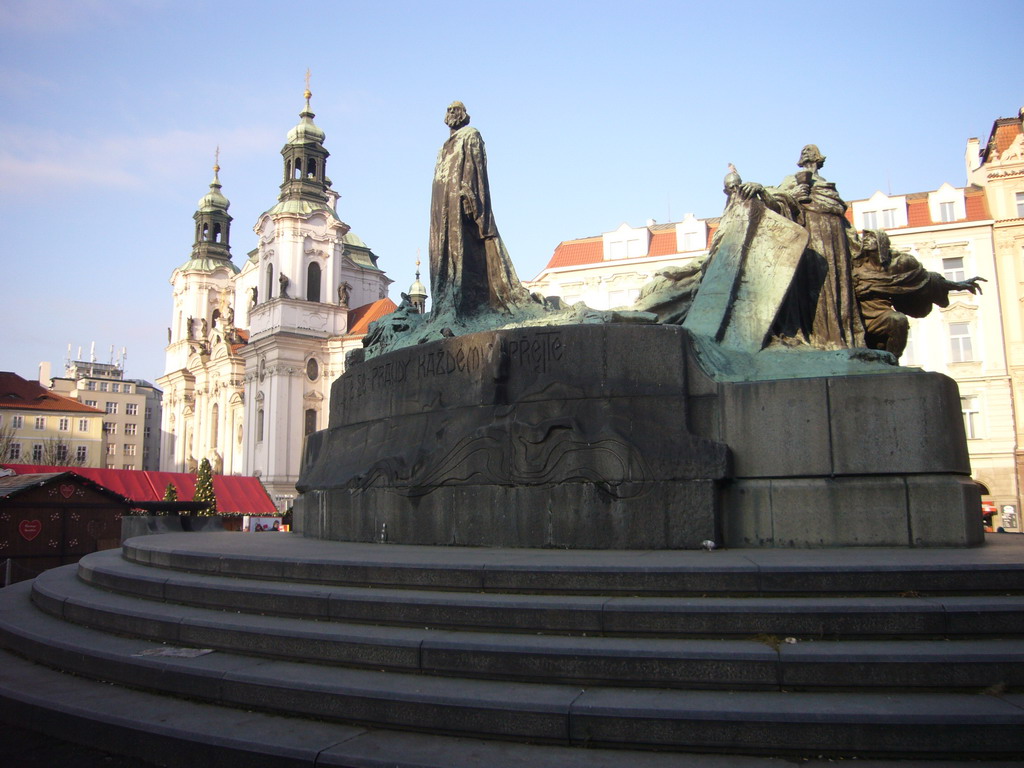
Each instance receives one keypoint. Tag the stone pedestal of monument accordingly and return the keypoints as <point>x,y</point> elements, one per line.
<point>613,436</point>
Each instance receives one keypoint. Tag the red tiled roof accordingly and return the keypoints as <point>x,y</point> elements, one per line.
<point>712,228</point>
<point>359,319</point>
<point>1004,131</point>
<point>574,253</point>
<point>235,495</point>
<point>663,243</point>
<point>590,250</point>
<point>16,392</point>
<point>19,483</point>
<point>918,214</point>
<point>977,204</point>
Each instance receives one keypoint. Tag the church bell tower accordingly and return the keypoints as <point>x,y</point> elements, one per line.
<point>305,159</point>
<point>213,222</point>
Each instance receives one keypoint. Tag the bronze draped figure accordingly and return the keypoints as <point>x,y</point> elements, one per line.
<point>822,305</point>
<point>470,270</point>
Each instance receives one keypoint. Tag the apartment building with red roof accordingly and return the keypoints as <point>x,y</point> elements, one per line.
<point>950,231</point>
<point>608,270</point>
<point>39,426</point>
<point>998,168</point>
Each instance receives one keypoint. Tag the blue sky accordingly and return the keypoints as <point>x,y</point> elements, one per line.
<point>594,113</point>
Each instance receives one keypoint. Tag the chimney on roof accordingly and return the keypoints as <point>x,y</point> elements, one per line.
<point>651,222</point>
<point>44,374</point>
<point>972,159</point>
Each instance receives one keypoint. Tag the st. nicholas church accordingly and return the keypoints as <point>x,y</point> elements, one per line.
<point>252,351</point>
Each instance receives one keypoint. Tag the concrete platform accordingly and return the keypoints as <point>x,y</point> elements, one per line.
<point>995,568</point>
<point>406,655</point>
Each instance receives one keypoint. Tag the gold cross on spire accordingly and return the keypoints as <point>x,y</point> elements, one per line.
<point>308,92</point>
<point>216,160</point>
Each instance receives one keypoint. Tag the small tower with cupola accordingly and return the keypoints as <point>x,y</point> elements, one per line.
<point>198,346</point>
<point>418,291</point>
<point>213,222</point>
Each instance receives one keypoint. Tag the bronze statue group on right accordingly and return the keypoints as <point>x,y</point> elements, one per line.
<point>850,290</point>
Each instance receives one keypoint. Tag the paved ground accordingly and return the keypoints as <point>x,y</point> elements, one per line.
<point>27,749</point>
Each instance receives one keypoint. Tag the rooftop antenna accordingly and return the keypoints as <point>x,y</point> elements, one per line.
<point>79,352</point>
<point>92,352</point>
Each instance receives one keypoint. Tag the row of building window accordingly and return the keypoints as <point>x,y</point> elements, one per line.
<point>60,453</point>
<point>111,386</point>
<point>110,428</point>
<point>885,219</point>
<point>888,218</point>
<point>130,409</point>
<point>39,422</point>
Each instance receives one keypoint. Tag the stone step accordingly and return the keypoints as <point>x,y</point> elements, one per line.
<point>181,733</point>
<point>835,724</point>
<point>800,617</point>
<point>994,569</point>
<point>751,664</point>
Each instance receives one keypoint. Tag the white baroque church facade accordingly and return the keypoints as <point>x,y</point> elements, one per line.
<point>252,351</point>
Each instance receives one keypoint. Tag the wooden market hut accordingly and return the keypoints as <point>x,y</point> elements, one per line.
<point>54,518</point>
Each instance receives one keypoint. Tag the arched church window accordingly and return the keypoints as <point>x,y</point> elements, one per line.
<point>216,233</point>
<point>311,168</point>
<point>206,232</point>
<point>259,425</point>
<point>214,425</point>
<point>297,172</point>
<point>313,282</point>
<point>215,318</point>
<point>310,421</point>
<point>270,281</point>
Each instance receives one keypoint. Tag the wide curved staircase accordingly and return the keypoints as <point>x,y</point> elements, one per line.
<point>236,649</point>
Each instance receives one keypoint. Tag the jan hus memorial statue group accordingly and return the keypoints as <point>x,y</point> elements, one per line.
<point>752,398</point>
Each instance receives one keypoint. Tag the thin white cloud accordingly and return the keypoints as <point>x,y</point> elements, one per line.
<point>125,162</point>
<point>46,17</point>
